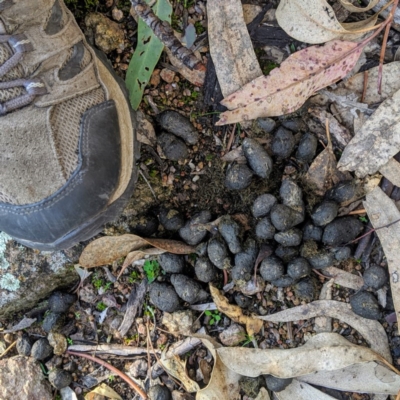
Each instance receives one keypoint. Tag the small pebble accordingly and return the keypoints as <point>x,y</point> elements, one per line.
<point>298,268</point>
<point>217,252</point>
<point>201,249</point>
<point>191,233</point>
<point>171,263</point>
<point>341,192</point>
<point>264,229</point>
<point>164,297</point>
<point>305,289</point>
<point>158,392</point>
<point>312,232</point>
<point>289,238</point>
<point>51,320</point>
<point>271,268</point>
<point>188,289</point>
<point>233,335</point>
<point>257,157</point>
<point>286,253</point>
<point>292,196</point>
<point>267,124</point>
<point>60,378</point>
<point>248,256</point>
<point>294,124</point>
<point>262,205</point>
<point>342,253</point>
<point>277,384</point>
<point>204,270</point>
<point>342,230</point>
<point>283,143</point>
<point>307,148</point>
<point>366,305</point>
<point>283,281</point>
<point>238,177</point>
<point>138,368</point>
<point>322,259</point>
<point>24,345</point>
<point>170,219</point>
<point>284,217</point>
<point>375,277</point>
<point>174,149</point>
<point>250,386</point>
<point>324,213</point>
<point>41,349</point>
<point>230,231</point>
<point>240,272</point>
<point>179,125</point>
<point>60,302</point>
<point>242,300</point>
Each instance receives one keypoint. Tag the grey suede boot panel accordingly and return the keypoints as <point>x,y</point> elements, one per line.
<point>54,24</point>
<point>30,170</point>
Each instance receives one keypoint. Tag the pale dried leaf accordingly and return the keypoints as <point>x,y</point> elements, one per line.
<point>103,390</point>
<point>250,11</point>
<point>391,171</point>
<point>286,88</point>
<point>363,378</point>
<point>344,278</point>
<point>371,330</point>
<point>107,249</point>
<point>230,46</point>
<point>68,394</point>
<point>82,272</point>
<point>235,313</point>
<point>314,21</point>
<point>224,383</point>
<point>196,77</point>
<point>323,352</point>
<point>145,132</point>
<point>115,349</point>
<point>382,211</point>
<point>263,395</point>
<point>376,142</point>
<point>177,368</point>
<point>324,324</point>
<point>351,7</point>
<point>301,391</point>
<point>23,324</point>
<point>234,155</point>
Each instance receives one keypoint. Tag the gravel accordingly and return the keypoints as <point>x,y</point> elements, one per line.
<point>289,238</point>
<point>171,263</point>
<point>51,320</point>
<point>283,281</point>
<point>271,268</point>
<point>188,289</point>
<point>341,231</point>
<point>262,205</point>
<point>366,305</point>
<point>204,270</point>
<point>191,233</point>
<point>307,148</point>
<point>342,191</point>
<point>171,219</point>
<point>60,378</point>
<point>164,297</point>
<point>298,268</point>
<point>375,277</point>
<point>24,345</point>
<point>159,392</point>
<point>257,157</point>
<point>312,232</point>
<point>276,384</point>
<point>179,125</point>
<point>238,177</point>
<point>324,213</point>
<point>230,231</point>
<point>264,229</point>
<point>217,252</point>
<point>41,349</point>
<point>287,253</point>
<point>283,143</point>
<point>61,302</point>
<point>305,289</point>
<point>174,149</point>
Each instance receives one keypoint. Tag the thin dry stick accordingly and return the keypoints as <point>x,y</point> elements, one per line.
<point>365,86</point>
<point>8,349</point>
<point>163,30</point>
<point>116,371</point>
<point>398,396</point>
<point>356,212</point>
<point>230,141</point>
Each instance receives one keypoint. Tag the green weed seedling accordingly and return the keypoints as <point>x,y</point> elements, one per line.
<point>363,219</point>
<point>215,317</point>
<point>101,306</point>
<point>152,269</point>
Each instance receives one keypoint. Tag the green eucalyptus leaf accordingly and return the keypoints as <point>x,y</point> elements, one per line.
<point>146,55</point>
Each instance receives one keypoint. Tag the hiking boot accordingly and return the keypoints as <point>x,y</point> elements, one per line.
<point>67,141</point>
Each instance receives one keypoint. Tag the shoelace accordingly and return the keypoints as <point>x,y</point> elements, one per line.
<point>33,87</point>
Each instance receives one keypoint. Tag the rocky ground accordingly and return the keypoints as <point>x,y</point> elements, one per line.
<point>263,229</point>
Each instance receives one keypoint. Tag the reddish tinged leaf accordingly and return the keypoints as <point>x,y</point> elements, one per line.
<point>287,88</point>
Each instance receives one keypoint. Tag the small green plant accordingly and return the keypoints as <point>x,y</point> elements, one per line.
<point>111,378</point>
<point>77,315</point>
<point>101,306</point>
<point>108,286</point>
<point>363,219</point>
<point>215,317</point>
<point>358,260</point>
<point>97,281</point>
<point>199,27</point>
<point>247,340</point>
<point>70,341</point>
<point>152,269</point>
<point>133,277</point>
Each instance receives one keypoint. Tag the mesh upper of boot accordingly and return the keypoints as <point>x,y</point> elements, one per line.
<point>64,118</point>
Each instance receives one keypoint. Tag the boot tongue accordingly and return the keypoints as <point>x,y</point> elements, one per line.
<point>15,73</point>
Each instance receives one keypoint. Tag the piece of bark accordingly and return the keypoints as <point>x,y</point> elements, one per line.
<point>230,46</point>
<point>383,212</point>
<point>135,302</point>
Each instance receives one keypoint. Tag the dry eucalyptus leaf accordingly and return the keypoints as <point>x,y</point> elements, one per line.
<point>382,211</point>
<point>145,132</point>
<point>107,249</point>
<point>230,46</point>
<point>314,21</point>
<point>103,390</point>
<point>177,368</point>
<point>224,383</point>
<point>368,377</point>
<point>351,7</point>
<point>376,142</point>
<point>235,313</point>
<point>371,330</point>
<point>301,391</point>
<point>324,324</point>
<point>23,324</point>
<point>323,352</point>
<point>344,278</point>
<point>286,88</point>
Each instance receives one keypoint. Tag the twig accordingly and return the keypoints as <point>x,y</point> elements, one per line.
<point>165,33</point>
<point>356,212</point>
<point>225,276</point>
<point>365,86</point>
<point>148,184</point>
<point>230,141</point>
<point>373,230</point>
<point>8,349</point>
<point>116,371</point>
